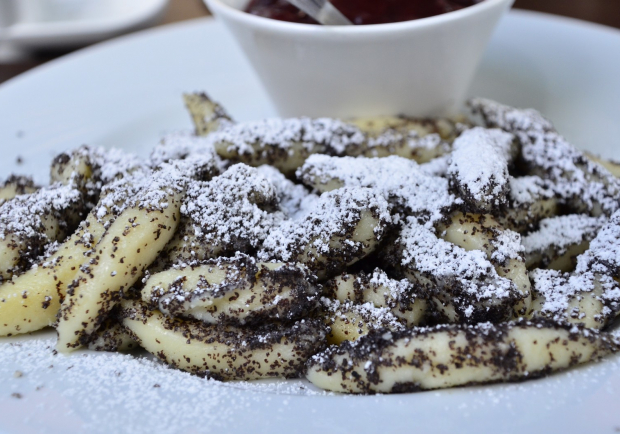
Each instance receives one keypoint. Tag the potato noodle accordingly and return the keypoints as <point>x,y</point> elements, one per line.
<point>375,255</point>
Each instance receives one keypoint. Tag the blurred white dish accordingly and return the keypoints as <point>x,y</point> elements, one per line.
<point>417,68</point>
<point>58,24</point>
<point>126,93</point>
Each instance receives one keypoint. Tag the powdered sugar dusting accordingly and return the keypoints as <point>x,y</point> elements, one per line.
<point>449,264</point>
<point>507,245</point>
<point>86,388</point>
<point>604,252</point>
<point>398,289</point>
<point>581,183</point>
<point>437,166</point>
<point>291,196</point>
<point>114,163</point>
<point>337,213</point>
<point>264,206</point>
<point>400,180</point>
<point>559,289</point>
<point>562,232</point>
<point>235,210</point>
<point>526,190</point>
<point>388,140</point>
<point>151,190</point>
<point>31,222</point>
<point>479,166</point>
<point>24,216</point>
<point>180,145</point>
<point>497,115</point>
<point>106,165</point>
<point>585,185</point>
<point>364,316</point>
<point>332,135</point>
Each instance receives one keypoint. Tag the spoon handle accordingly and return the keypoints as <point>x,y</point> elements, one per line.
<point>322,11</point>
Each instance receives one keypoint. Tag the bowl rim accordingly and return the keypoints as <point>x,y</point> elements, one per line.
<point>301,28</point>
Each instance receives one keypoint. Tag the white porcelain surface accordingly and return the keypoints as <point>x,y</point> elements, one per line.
<point>559,66</point>
<point>59,24</point>
<point>416,68</point>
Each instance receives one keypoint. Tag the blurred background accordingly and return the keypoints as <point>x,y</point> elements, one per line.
<point>33,32</point>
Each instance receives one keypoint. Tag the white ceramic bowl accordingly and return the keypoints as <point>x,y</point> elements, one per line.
<point>417,68</point>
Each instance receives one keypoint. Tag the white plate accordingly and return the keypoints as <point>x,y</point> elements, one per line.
<point>127,93</point>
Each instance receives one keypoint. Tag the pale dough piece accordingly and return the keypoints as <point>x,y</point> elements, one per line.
<point>225,353</point>
<point>236,290</point>
<point>449,356</point>
<point>128,247</point>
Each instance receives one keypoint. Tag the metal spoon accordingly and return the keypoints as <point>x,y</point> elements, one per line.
<point>322,11</point>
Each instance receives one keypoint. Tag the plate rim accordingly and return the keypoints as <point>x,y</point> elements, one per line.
<point>170,27</point>
<point>211,19</point>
